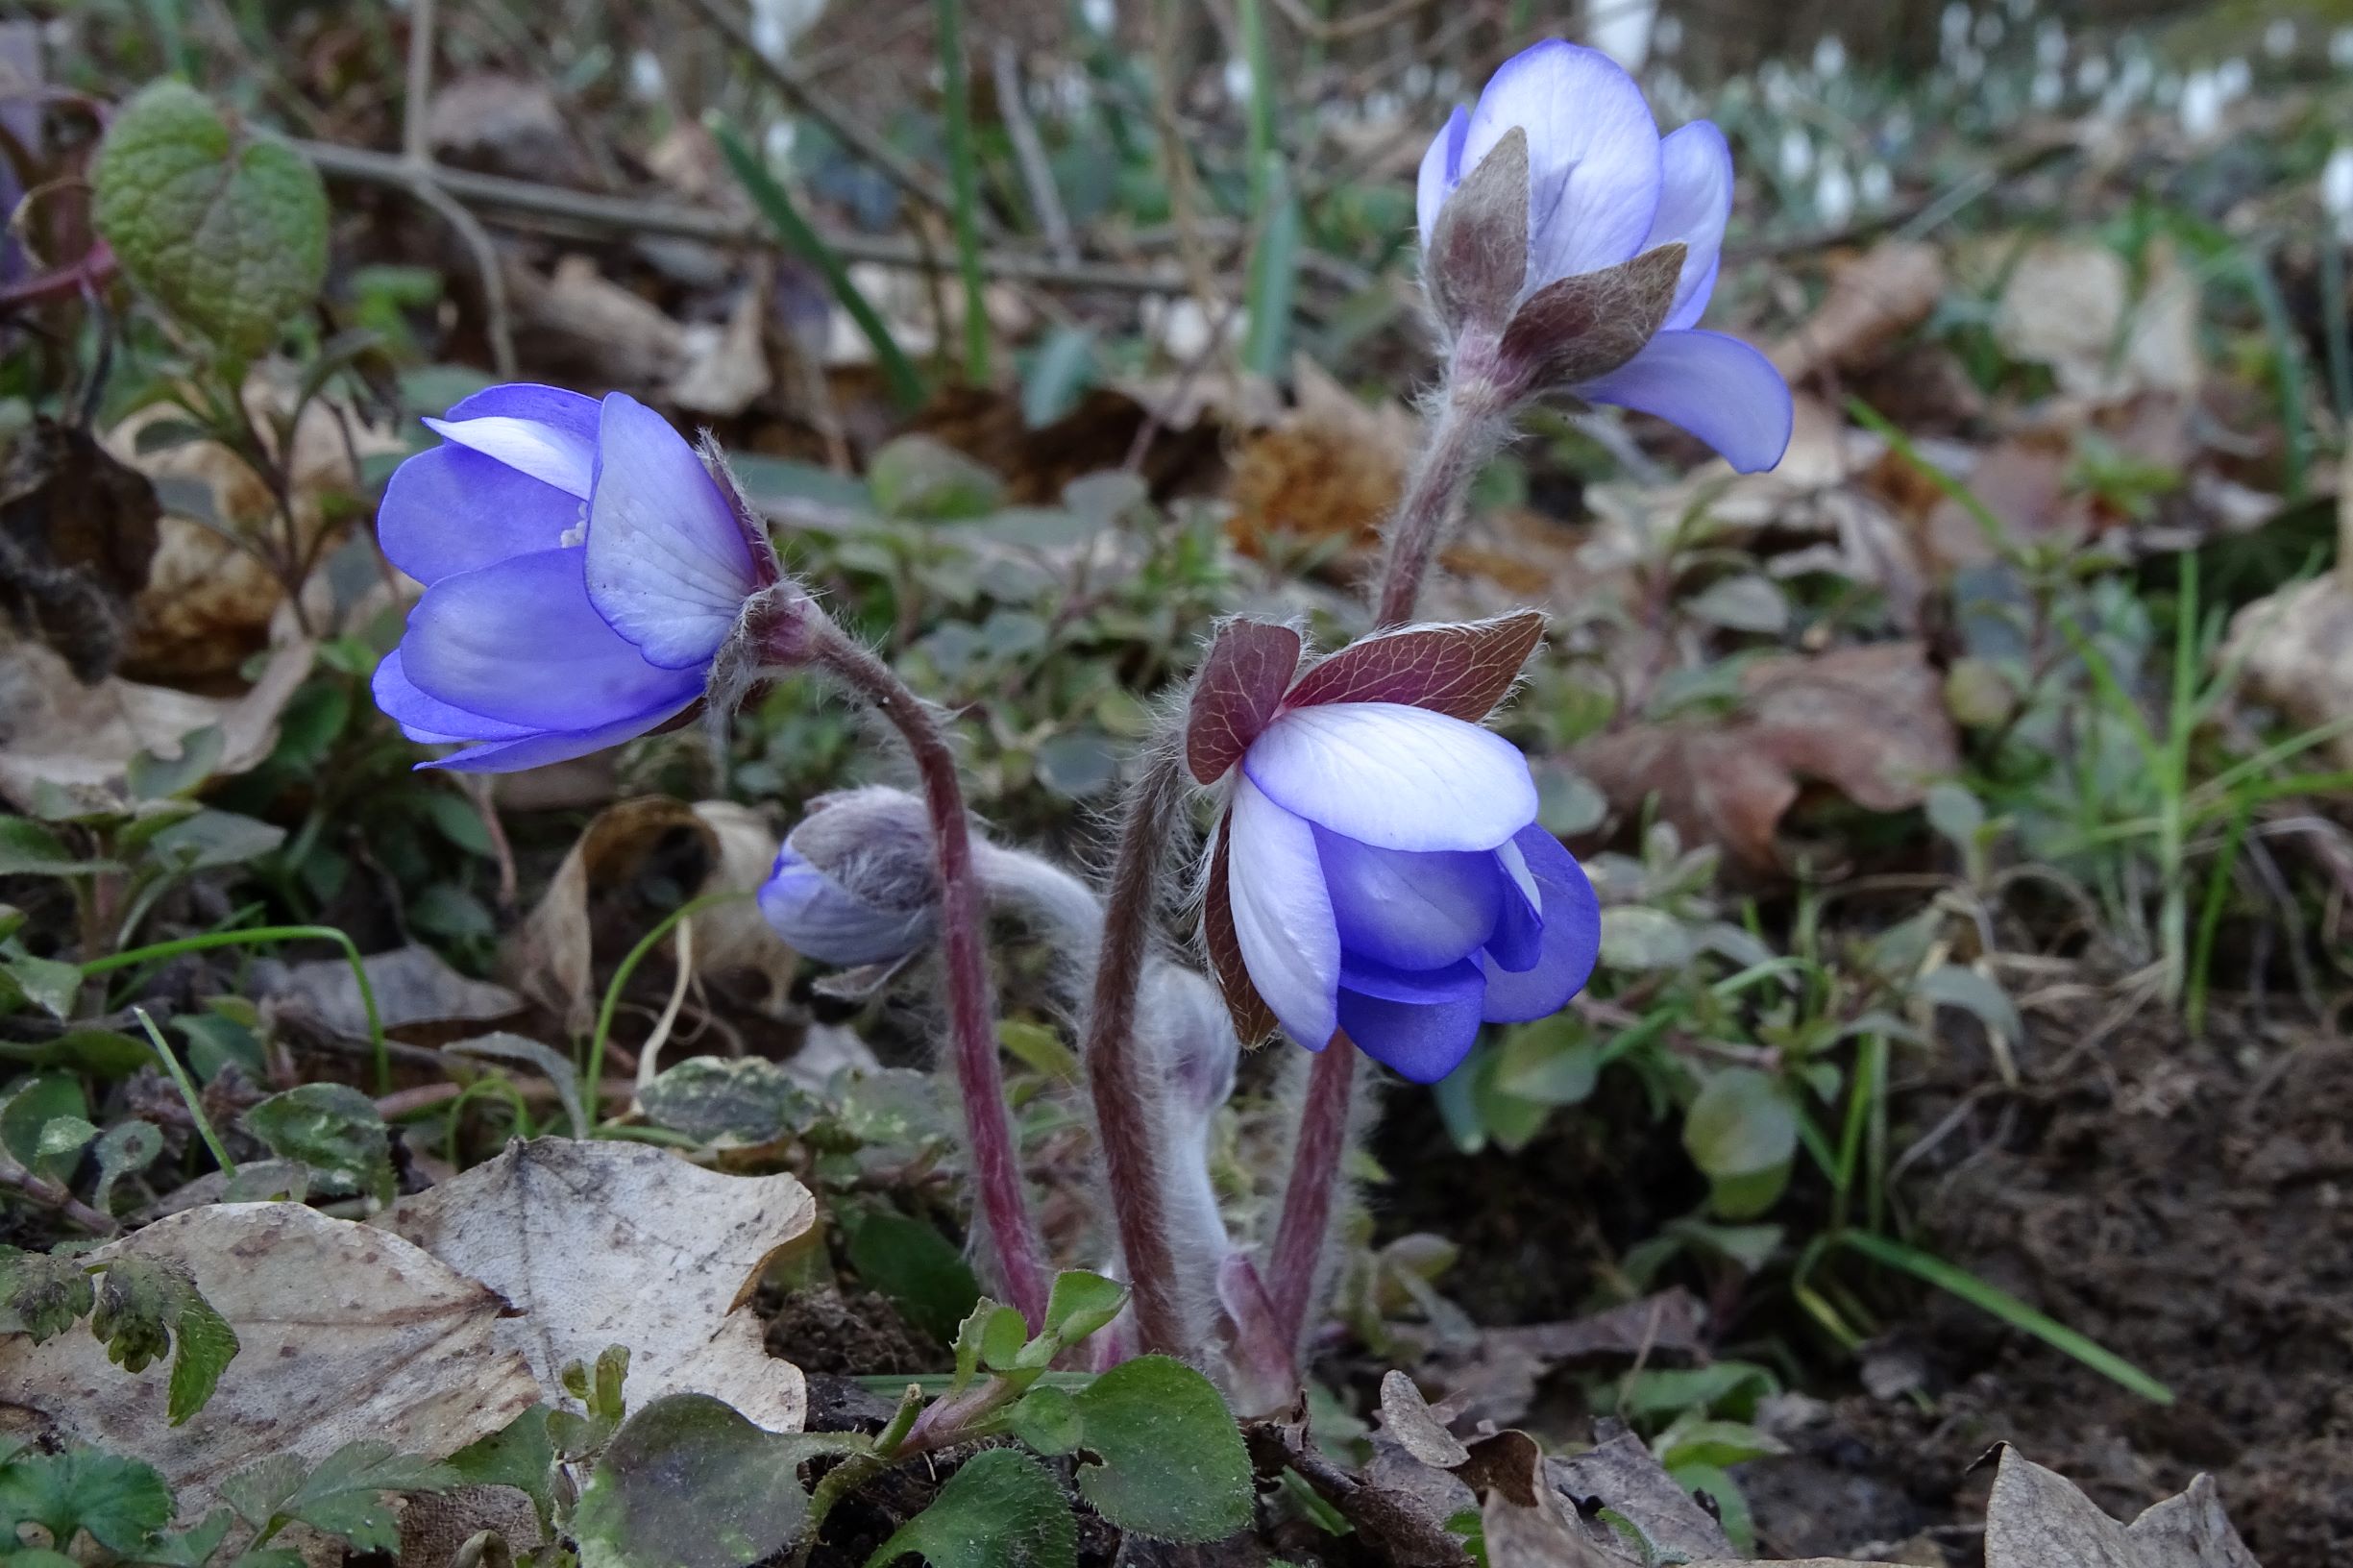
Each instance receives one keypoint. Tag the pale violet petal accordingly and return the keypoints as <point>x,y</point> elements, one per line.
<point>817,915</point>
<point>550,454</point>
<point>572,412</point>
<point>1408,909</point>
<point>1717,387</point>
<point>451,509</point>
<point>520,643</point>
<point>1394,778</point>
<point>557,745</point>
<point>1282,915</point>
<point>1441,168</point>
<point>668,564</point>
<point>1695,201</point>
<point>1593,158</point>
<point>427,719</point>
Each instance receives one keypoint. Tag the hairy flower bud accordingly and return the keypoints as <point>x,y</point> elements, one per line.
<point>856,882</point>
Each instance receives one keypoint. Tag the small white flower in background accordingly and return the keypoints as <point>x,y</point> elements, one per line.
<point>1419,80</point>
<point>2279,38</point>
<point>2337,191</point>
<point>1991,29</point>
<point>2050,45</point>
<point>1448,84</point>
<point>2166,90</point>
<point>1069,91</point>
<point>2202,105</point>
<point>1381,108</point>
<point>645,75</point>
<point>1101,16</point>
<point>1624,31</point>
<point>2020,10</point>
<point>2341,48</point>
<point>2050,88</point>
<point>1968,65</point>
<point>1238,79</point>
<point>1796,154</point>
<point>1831,57</point>
<point>1897,129</point>
<point>776,25</point>
<point>2091,74</point>
<point>2232,78</point>
<point>1953,29</point>
<point>1834,193</point>
<point>1185,330</point>
<point>776,144</point>
<point>1780,92</point>
<point>1876,186</point>
<point>1667,36</point>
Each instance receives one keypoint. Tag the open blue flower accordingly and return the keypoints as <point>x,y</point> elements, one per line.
<point>582,567</point>
<point>1603,187</point>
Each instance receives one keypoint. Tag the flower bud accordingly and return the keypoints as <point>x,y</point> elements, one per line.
<point>855,883</point>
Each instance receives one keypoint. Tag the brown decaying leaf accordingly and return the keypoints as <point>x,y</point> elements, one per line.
<point>1525,1522</point>
<point>347,1333</point>
<point>2071,304</point>
<point>1496,1380</point>
<point>1587,324</point>
<point>1870,721</point>
<point>76,535</point>
<point>417,996</point>
<point>1240,684</point>
<point>602,1244</point>
<point>1331,470</point>
<point>79,739</point>
<point>1622,1473</point>
<point>1253,1019</point>
<point>2039,1519</point>
<point>1874,299</point>
<point>1406,1416</point>
<point>1459,670</point>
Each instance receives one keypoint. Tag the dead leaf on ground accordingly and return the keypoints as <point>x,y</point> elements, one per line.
<point>1496,1381</point>
<point>56,732</point>
<point>1407,1418</point>
<point>578,325</point>
<point>2037,1518</point>
<point>1870,721</point>
<point>76,536</point>
<point>726,364</point>
<point>1622,1473</point>
<point>600,1244</point>
<point>1527,1522</point>
<point>2069,303</point>
<point>2023,485</point>
<point>1330,471</point>
<point>623,875</point>
<point>346,1333</point>
<point>509,125</point>
<point>418,996</point>
<point>1874,299</point>
<point>2296,645</point>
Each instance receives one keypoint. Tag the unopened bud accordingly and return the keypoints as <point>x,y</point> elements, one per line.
<point>856,882</point>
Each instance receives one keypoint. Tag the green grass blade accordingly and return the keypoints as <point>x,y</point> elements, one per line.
<point>2294,430</point>
<point>2010,1310</point>
<point>2338,333</point>
<point>592,1092</point>
<point>1275,216</point>
<point>211,940</point>
<point>964,180</point>
<point>2210,916</point>
<point>1997,537</point>
<point>897,371</point>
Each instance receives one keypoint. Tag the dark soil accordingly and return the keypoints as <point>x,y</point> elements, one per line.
<point>2188,1204</point>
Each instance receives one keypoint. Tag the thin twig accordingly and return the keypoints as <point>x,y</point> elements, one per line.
<point>1348,27</point>
<point>51,1194</point>
<point>1029,155</point>
<point>422,182</point>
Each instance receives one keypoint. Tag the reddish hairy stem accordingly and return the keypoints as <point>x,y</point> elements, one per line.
<point>1125,1111</point>
<point>1309,1198</point>
<point>996,1166</point>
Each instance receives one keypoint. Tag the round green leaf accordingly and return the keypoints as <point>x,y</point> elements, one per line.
<point>226,230</point>
<point>688,1483</point>
<point>1001,1510</point>
<point>1172,1466</point>
<point>1743,1132</point>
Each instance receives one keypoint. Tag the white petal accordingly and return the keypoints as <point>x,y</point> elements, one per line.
<point>1593,164</point>
<point>1393,777</point>
<point>1695,200</point>
<point>1282,916</point>
<point>548,453</point>
<point>668,564</point>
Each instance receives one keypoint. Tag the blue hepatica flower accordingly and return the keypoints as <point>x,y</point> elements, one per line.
<point>582,566</point>
<point>1603,187</point>
<point>1381,874</point>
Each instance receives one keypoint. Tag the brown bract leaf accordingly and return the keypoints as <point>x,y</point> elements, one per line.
<point>1526,1521</point>
<point>1874,299</point>
<point>1477,258</point>
<point>1253,1019</point>
<point>1577,328</point>
<point>1461,670</point>
<point>2039,1519</point>
<point>1870,721</point>
<point>1621,1472</point>
<point>1240,684</point>
<point>1396,1523</point>
<point>345,1332</point>
<point>602,1244</point>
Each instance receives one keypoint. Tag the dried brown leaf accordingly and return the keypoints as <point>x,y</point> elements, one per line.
<point>1253,1019</point>
<point>1459,670</point>
<point>346,1333</point>
<point>2070,304</point>
<point>77,535</point>
<point>1587,324</point>
<point>1407,1418</point>
<point>1874,299</point>
<point>600,1244</point>
<point>2037,1518</point>
<point>1621,1472</point>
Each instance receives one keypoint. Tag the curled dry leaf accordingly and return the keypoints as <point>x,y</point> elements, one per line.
<point>1527,1522</point>
<point>79,739</point>
<point>1407,1418</point>
<point>2070,304</point>
<point>1870,721</point>
<point>77,535</point>
<point>599,1244</point>
<point>1329,471</point>
<point>416,992</point>
<point>346,1333</point>
<point>1874,299</point>
<point>2296,645</point>
<point>2037,1518</point>
<point>1620,1472</point>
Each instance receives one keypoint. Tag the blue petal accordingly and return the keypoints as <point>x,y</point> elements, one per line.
<point>556,745</point>
<point>1394,778</point>
<point>1423,1041</point>
<point>570,412</point>
<point>520,642</point>
<point>1442,170</point>
<point>1593,161</point>
<point>1414,911</point>
<point>544,431</point>
<point>1695,201</point>
<point>1717,387</point>
<point>451,509</point>
<point>819,917</point>
<point>424,719</point>
<point>1518,940</point>
<point>1572,936</point>
<point>668,563</point>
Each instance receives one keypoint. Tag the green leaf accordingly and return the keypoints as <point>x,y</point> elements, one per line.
<point>1555,1061</point>
<point>211,838</point>
<point>64,1139</point>
<point>259,1491</point>
<point>47,1293</point>
<point>332,1128</point>
<point>1717,1443</point>
<point>1956,986</point>
<point>46,983</point>
<point>727,1101</point>
<point>1743,1132</point>
<point>1000,1510</point>
<point>924,480</point>
<point>914,1266</point>
<point>120,1502</point>
<point>26,1115</point>
<point>226,230</point>
<point>1004,1334</point>
<point>206,1346</point>
<point>973,1334</point>
<point>1172,1466</point>
<point>1048,1420</point>
<point>103,1053</point>
<point>1082,1303</point>
<point>519,1455</point>
<point>345,1495</point>
<point>690,1483</point>
<point>153,777</point>
<point>31,848</point>
<point>555,1066</point>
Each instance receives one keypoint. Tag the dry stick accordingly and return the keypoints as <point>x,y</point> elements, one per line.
<point>1125,1111</point>
<point>1029,155</point>
<point>996,1166</point>
<point>422,182</point>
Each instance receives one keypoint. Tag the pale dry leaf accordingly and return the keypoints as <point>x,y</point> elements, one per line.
<point>2037,1518</point>
<point>583,322</point>
<point>2068,304</point>
<point>79,739</point>
<point>346,1333</point>
<point>2296,644</point>
<point>1622,1473</point>
<point>726,367</point>
<point>599,1244</point>
<point>1874,299</point>
<point>1407,1418</point>
<point>414,988</point>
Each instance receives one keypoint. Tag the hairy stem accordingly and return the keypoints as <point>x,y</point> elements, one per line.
<point>1310,1197</point>
<point>996,1168</point>
<point>1125,1105</point>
